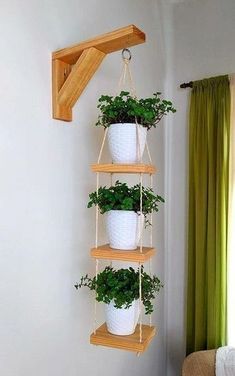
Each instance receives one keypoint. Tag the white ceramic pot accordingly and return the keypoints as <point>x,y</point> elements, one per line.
<point>123,142</point>
<point>124,228</point>
<point>121,321</point>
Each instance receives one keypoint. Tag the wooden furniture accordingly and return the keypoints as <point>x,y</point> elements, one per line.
<point>130,343</point>
<point>110,168</point>
<point>101,336</point>
<point>106,253</point>
<point>74,66</point>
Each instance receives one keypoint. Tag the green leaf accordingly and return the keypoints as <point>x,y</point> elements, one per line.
<point>122,197</point>
<point>123,108</point>
<point>122,287</point>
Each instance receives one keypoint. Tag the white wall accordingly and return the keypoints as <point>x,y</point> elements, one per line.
<point>200,41</point>
<point>45,229</point>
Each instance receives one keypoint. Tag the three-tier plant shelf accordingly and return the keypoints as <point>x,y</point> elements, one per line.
<point>142,254</point>
<point>72,68</point>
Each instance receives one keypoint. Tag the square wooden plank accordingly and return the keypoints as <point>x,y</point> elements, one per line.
<point>129,343</point>
<point>106,253</point>
<point>124,168</point>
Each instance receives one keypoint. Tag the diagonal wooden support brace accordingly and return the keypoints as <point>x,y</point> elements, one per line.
<point>78,78</point>
<point>81,73</point>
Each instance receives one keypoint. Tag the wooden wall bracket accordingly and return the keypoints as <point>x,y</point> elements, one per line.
<point>73,67</point>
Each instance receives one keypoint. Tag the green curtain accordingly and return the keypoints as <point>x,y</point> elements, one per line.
<point>209,128</point>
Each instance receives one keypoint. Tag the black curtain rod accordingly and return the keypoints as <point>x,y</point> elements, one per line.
<point>187,84</point>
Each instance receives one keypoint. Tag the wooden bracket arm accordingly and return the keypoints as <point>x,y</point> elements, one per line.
<point>68,80</point>
<point>81,73</point>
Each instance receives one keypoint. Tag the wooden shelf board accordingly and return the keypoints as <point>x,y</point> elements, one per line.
<point>129,343</point>
<point>124,168</point>
<point>110,42</point>
<point>107,253</point>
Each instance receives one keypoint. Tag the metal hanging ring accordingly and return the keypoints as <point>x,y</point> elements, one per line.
<point>126,54</point>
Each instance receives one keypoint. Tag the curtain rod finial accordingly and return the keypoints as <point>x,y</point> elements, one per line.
<point>185,85</point>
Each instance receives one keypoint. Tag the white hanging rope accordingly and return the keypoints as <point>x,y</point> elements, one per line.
<point>111,184</point>
<point>151,243</point>
<point>140,302</point>
<point>97,211</point>
<point>102,145</point>
<point>120,82</point>
<point>95,304</point>
<point>96,245</point>
<point>139,156</point>
<point>126,74</point>
<point>141,212</point>
<point>133,88</point>
<point>149,155</point>
<point>150,273</point>
<point>141,250</point>
<point>151,215</point>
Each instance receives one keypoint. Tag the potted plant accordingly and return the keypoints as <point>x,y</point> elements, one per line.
<point>122,205</point>
<point>128,120</point>
<point>119,290</point>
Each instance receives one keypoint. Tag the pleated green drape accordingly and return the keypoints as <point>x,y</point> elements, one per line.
<point>209,129</point>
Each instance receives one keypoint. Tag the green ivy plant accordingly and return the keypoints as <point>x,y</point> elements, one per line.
<point>123,108</point>
<point>122,287</point>
<point>122,197</point>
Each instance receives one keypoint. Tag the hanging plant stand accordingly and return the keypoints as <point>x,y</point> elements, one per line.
<point>130,343</point>
<point>126,233</point>
<point>143,334</point>
<point>138,341</point>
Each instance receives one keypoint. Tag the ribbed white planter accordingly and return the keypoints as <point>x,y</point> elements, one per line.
<point>124,228</point>
<point>123,142</point>
<point>121,321</point>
